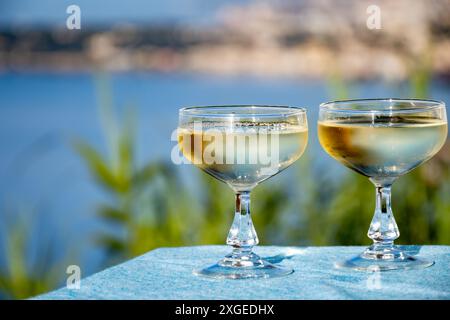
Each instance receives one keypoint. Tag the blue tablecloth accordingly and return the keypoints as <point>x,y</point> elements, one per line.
<point>166,273</point>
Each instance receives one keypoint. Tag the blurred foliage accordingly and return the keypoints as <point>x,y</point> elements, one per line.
<point>21,276</point>
<point>339,212</point>
<point>147,206</point>
<point>338,87</point>
<point>420,74</point>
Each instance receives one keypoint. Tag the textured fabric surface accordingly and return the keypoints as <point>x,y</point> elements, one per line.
<point>166,273</point>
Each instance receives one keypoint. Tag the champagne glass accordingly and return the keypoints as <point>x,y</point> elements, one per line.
<point>383,139</point>
<point>242,145</point>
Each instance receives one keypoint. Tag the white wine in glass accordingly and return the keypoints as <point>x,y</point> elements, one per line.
<point>383,148</point>
<point>237,159</point>
<point>383,139</point>
<point>242,146</point>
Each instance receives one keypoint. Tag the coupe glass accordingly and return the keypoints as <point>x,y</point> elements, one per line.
<point>383,139</point>
<point>242,146</point>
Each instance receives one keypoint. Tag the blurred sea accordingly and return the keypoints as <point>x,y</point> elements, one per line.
<point>41,114</point>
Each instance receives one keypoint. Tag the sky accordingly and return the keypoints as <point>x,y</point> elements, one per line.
<point>108,12</point>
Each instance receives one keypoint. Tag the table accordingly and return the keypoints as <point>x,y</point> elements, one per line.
<point>166,273</point>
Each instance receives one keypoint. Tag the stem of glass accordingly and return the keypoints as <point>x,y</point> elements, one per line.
<point>383,228</point>
<point>242,236</point>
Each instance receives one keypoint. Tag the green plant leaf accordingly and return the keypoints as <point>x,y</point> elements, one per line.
<point>98,167</point>
<point>113,214</point>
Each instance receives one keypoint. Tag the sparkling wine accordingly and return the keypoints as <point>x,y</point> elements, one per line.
<point>245,153</point>
<point>385,147</point>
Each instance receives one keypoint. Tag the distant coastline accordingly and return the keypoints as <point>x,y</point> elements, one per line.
<point>311,39</point>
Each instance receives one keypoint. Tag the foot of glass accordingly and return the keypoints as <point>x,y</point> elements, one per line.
<point>238,266</point>
<point>379,258</point>
<point>383,255</point>
<point>242,263</point>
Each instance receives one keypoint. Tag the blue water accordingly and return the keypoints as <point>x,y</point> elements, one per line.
<point>41,113</point>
